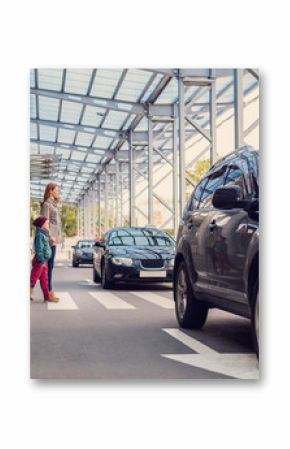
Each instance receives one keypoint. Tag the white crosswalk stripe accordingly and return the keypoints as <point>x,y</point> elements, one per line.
<point>65,303</point>
<point>155,299</point>
<point>111,301</point>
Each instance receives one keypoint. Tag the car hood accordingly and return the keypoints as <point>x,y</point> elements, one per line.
<point>88,251</point>
<point>143,252</point>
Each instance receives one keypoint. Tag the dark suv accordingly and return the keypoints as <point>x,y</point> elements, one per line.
<point>217,255</point>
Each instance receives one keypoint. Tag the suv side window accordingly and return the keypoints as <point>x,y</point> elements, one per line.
<point>235,176</point>
<point>213,182</point>
<point>196,195</point>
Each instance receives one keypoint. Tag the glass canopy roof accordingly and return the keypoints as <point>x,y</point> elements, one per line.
<point>81,115</point>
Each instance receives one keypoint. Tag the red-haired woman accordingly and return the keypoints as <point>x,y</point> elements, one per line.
<point>50,209</point>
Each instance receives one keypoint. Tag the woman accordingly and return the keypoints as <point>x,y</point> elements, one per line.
<point>50,209</point>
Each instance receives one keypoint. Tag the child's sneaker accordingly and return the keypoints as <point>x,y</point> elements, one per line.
<point>51,299</point>
<point>53,296</point>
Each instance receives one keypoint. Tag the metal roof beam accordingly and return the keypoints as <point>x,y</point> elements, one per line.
<point>80,148</point>
<point>115,105</point>
<point>106,132</point>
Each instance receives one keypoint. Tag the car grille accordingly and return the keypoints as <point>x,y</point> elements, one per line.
<point>152,263</point>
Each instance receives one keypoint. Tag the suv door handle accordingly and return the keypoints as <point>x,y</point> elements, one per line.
<point>212,225</point>
<point>190,223</point>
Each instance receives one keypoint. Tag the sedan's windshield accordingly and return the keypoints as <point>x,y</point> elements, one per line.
<point>139,237</point>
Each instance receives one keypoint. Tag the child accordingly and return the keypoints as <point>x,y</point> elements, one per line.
<point>42,254</point>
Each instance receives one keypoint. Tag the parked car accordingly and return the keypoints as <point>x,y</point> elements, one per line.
<point>217,256</point>
<point>83,252</point>
<point>133,254</point>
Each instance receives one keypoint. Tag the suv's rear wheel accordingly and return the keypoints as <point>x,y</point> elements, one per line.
<point>255,317</point>
<point>190,313</point>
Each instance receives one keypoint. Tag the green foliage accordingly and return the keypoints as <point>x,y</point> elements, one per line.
<point>34,212</point>
<point>169,231</point>
<point>201,167</point>
<point>69,220</point>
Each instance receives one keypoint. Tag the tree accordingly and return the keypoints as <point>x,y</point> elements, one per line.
<point>34,212</point>
<point>200,168</point>
<point>69,220</point>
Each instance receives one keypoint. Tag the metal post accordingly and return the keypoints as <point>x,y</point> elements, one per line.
<point>131,181</point>
<point>93,211</point>
<point>78,220</point>
<point>212,106</point>
<point>175,178</point>
<point>88,215</point>
<point>239,108</point>
<point>112,197</point>
<point>121,194</point>
<point>181,146</point>
<point>106,199</point>
<point>117,183</point>
<point>150,171</point>
<point>99,207</point>
<point>83,218</point>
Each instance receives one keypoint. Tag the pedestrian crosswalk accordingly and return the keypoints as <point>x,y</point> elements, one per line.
<point>66,302</point>
<point>112,300</point>
<point>155,299</point>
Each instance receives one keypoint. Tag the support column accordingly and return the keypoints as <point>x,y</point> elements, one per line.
<point>106,199</point>
<point>93,210</point>
<point>99,207</point>
<point>121,194</point>
<point>117,197</point>
<point>87,215</point>
<point>150,171</point>
<point>239,108</point>
<point>212,112</point>
<point>181,146</point>
<point>131,181</point>
<point>78,219</point>
<point>176,214</point>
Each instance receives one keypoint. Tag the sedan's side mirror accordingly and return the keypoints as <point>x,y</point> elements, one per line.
<point>227,197</point>
<point>74,246</point>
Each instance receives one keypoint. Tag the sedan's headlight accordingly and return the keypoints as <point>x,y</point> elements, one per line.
<point>122,261</point>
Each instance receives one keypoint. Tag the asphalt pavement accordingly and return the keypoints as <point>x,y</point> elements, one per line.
<point>131,333</point>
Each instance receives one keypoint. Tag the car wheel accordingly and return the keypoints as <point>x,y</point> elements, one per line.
<point>104,280</point>
<point>96,277</point>
<point>75,264</point>
<point>190,313</point>
<point>255,317</point>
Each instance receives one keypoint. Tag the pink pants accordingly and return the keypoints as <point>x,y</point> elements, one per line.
<point>39,272</point>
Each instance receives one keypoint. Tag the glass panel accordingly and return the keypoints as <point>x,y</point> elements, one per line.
<point>84,139</point>
<point>170,93</point>
<point>77,80</point>
<point>102,142</point>
<point>48,108</point>
<point>115,120</point>
<point>47,133</point>
<point>32,106</point>
<point>105,82</point>
<point>50,79</point>
<point>70,112</point>
<point>66,136</point>
<point>93,116</point>
<point>133,85</point>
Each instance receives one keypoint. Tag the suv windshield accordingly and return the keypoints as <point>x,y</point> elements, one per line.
<point>139,237</point>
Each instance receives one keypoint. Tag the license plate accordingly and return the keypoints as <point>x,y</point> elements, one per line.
<point>152,274</point>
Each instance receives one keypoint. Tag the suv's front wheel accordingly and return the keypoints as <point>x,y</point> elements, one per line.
<point>190,313</point>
